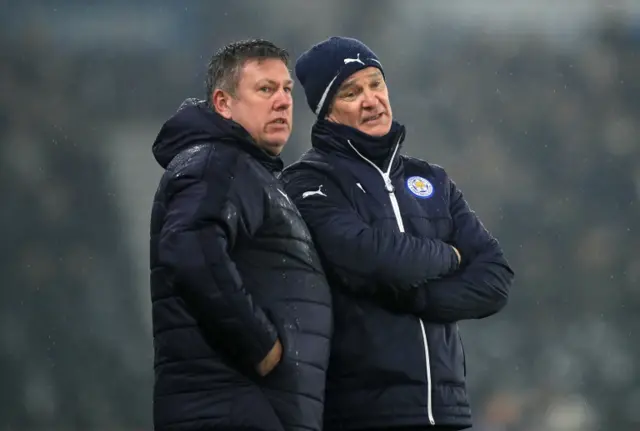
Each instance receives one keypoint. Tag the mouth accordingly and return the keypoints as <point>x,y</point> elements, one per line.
<point>373,118</point>
<point>279,122</point>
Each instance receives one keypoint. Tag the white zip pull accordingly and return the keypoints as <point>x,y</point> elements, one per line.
<point>387,183</point>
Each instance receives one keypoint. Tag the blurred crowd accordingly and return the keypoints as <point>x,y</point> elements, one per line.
<point>543,139</point>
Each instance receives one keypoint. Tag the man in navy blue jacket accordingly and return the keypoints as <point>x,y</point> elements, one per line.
<point>405,255</point>
<point>241,306</point>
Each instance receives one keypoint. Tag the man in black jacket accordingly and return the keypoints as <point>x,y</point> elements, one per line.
<point>405,255</point>
<point>241,307</point>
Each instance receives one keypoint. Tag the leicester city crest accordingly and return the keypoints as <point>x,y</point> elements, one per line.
<point>420,187</point>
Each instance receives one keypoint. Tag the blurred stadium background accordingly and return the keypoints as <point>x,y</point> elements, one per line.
<point>532,106</point>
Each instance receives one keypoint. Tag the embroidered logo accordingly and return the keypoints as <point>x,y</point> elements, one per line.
<point>318,192</point>
<point>353,60</point>
<point>420,187</point>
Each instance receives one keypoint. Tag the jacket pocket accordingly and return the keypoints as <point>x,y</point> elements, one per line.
<point>448,364</point>
<point>464,355</point>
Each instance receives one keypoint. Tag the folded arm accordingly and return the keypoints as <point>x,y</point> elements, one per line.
<point>361,257</point>
<point>480,288</point>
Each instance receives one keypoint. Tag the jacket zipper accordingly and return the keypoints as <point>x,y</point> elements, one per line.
<point>428,367</point>
<point>388,185</point>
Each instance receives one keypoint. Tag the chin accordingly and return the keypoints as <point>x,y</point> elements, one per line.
<point>377,130</point>
<point>274,146</point>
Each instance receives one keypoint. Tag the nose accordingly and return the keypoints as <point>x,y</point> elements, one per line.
<point>283,100</point>
<point>370,100</point>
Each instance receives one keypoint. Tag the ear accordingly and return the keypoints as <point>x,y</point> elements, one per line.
<point>221,103</point>
<point>330,115</point>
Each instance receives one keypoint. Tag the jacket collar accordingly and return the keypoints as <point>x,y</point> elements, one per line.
<point>380,152</point>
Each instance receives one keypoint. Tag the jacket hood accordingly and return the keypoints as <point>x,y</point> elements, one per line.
<point>196,123</point>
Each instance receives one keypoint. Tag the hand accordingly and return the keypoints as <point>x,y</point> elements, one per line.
<point>271,360</point>
<point>457,254</point>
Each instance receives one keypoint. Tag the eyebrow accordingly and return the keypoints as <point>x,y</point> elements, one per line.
<point>272,82</point>
<point>349,83</point>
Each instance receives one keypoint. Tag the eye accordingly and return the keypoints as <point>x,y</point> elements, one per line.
<point>375,84</point>
<point>288,89</point>
<point>265,89</point>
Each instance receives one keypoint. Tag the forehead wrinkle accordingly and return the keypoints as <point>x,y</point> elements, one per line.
<point>352,81</point>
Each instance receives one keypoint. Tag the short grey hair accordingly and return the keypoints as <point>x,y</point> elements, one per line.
<point>223,71</point>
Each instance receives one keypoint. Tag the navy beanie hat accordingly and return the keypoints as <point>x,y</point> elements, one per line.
<point>326,65</point>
